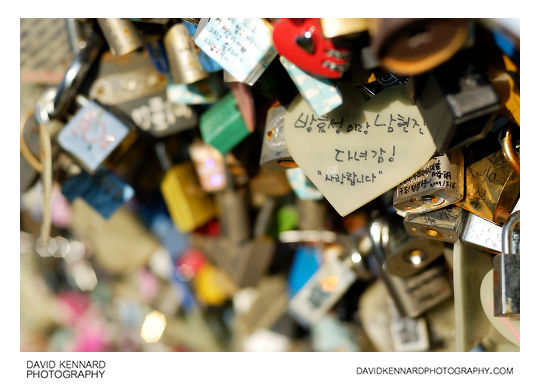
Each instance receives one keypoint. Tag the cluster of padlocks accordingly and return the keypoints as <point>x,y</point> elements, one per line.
<point>278,184</point>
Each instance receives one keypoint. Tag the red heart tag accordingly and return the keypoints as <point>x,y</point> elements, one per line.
<point>301,41</point>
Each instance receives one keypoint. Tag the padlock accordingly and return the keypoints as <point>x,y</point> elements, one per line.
<point>486,181</point>
<point>413,295</point>
<point>408,334</point>
<point>413,46</point>
<point>457,102</point>
<point>274,153</point>
<point>506,273</point>
<point>301,42</point>
<point>321,94</point>
<point>438,184</point>
<point>182,54</point>
<point>188,205</point>
<point>243,47</point>
<point>209,165</point>
<point>234,218</point>
<point>222,125</point>
<point>442,224</point>
<point>140,94</point>
<point>245,103</point>
<point>506,83</point>
<point>103,191</point>
<point>406,256</point>
<point>121,35</point>
<point>158,56</point>
<point>93,133</point>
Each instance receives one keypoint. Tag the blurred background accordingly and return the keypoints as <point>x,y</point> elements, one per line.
<point>163,235</point>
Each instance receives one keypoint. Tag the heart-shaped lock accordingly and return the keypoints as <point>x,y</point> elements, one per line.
<point>301,41</point>
<point>361,149</point>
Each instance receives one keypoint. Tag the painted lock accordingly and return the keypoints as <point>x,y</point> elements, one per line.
<point>301,41</point>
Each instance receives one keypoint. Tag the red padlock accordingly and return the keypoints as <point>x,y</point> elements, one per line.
<point>301,41</point>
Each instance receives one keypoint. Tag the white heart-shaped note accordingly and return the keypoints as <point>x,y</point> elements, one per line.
<point>361,149</point>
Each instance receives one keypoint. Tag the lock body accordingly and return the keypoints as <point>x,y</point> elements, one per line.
<point>274,153</point>
<point>210,166</point>
<point>222,125</point>
<point>457,102</point>
<point>438,184</point>
<point>188,205</point>
<point>182,54</point>
<point>441,224</point>
<point>121,35</point>
<point>506,282</point>
<point>92,134</point>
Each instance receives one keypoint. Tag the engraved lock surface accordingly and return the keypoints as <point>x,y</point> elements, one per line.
<point>92,134</point>
<point>413,295</point>
<point>506,281</point>
<point>441,224</point>
<point>412,46</point>
<point>301,41</point>
<point>274,153</point>
<point>457,102</point>
<point>182,54</point>
<point>121,35</point>
<point>438,184</point>
<point>484,234</point>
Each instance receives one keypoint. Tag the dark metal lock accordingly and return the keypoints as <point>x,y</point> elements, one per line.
<point>311,214</point>
<point>413,295</point>
<point>301,41</point>
<point>182,54</point>
<point>457,101</point>
<point>387,80</point>
<point>234,218</point>
<point>121,35</point>
<point>438,184</point>
<point>412,46</point>
<point>506,285</point>
<point>405,255</point>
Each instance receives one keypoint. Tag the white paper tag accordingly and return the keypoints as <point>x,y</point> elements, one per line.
<point>361,149</point>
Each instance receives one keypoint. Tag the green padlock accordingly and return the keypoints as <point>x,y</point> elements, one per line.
<point>222,125</point>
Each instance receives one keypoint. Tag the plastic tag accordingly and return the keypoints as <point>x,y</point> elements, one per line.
<point>360,150</point>
<point>243,47</point>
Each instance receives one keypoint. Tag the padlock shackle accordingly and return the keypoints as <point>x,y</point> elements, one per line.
<point>508,231</point>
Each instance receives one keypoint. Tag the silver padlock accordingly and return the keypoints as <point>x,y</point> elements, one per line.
<point>182,54</point>
<point>413,295</point>
<point>274,153</point>
<point>506,285</point>
<point>121,35</point>
<point>438,184</point>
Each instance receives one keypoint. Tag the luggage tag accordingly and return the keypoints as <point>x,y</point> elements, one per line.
<point>103,191</point>
<point>243,47</point>
<point>321,94</point>
<point>360,150</point>
<point>301,41</point>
